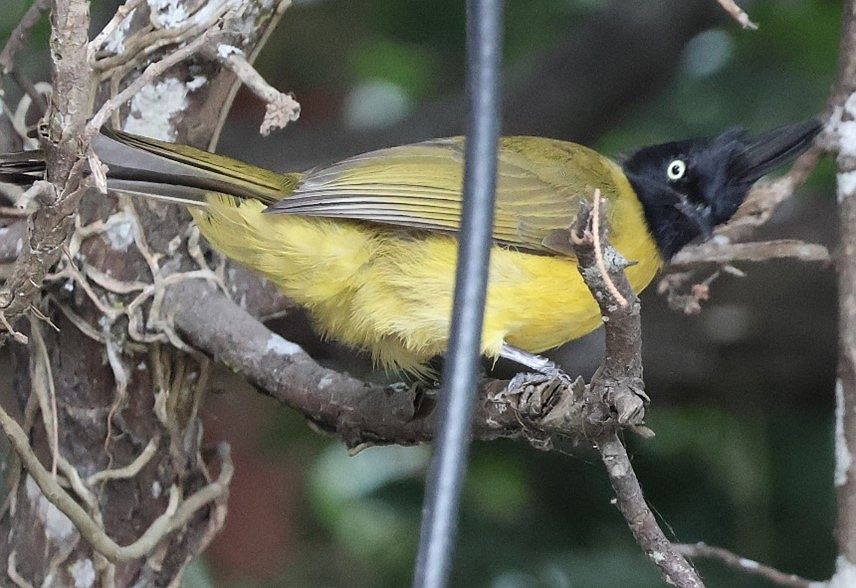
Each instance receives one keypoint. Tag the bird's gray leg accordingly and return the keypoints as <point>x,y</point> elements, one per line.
<point>538,391</point>
<point>546,369</point>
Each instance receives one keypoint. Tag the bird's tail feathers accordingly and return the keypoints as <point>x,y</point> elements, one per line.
<point>182,174</point>
<point>163,171</point>
<point>22,168</point>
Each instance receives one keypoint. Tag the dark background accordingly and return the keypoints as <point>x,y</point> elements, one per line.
<point>742,394</point>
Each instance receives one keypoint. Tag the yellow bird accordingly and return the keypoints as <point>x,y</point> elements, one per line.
<point>368,244</point>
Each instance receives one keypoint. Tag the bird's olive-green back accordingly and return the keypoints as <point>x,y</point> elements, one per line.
<point>541,183</point>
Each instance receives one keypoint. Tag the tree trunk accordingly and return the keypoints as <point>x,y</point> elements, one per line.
<point>118,399</point>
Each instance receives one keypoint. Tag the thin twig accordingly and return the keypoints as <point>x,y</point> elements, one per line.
<point>13,212</point>
<point>742,564</point>
<point>617,398</point>
<point>12,571</point>
<point>738,14</point>
<point>598,252</point>
<point>842,143</point>
<point>44,388</point>
<point>130,470</point>
<point>640,519</point>
<point>281,108</point>
<point>20,35</point>
<point>16,335</point>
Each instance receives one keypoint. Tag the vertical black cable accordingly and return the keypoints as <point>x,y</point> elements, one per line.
<point>452,440</point>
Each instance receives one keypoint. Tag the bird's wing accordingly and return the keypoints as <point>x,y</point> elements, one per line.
<point>540,185</point>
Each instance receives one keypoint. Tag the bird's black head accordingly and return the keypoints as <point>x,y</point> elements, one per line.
<point>688,187</point>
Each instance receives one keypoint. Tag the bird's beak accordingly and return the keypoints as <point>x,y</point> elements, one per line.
<point>762,154</point>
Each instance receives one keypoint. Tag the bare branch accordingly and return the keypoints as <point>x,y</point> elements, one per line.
<point>128,471</point>
<point>630,501</point>
<point>111,27</point>
<point>741,564</point>
<point>598,251</point>
<point>841,141</point>
<point>53,222</point>
<point>713,252</point>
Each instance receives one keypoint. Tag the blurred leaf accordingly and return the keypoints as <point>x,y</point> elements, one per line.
<point>406,65</point>
<point>197,575</point>
<point>497,488</point>
<point>336,480</point>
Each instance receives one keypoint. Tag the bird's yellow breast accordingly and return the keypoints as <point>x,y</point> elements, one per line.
<point>390,292</point>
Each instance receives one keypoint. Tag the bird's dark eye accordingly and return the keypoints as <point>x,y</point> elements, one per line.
<point>676,169</point>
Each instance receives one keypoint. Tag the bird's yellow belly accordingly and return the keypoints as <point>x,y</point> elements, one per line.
<point>391,294</point>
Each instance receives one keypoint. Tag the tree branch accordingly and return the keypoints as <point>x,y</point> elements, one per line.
<point>741,564</point>
<point>52,223</point>
<point>618,382</point>
<point>841,139</point>
<point>713,251</point>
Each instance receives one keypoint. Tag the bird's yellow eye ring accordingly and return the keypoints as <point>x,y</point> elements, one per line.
<point>676,169</point>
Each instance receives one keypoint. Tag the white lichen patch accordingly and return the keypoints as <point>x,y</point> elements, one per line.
<point>842,122</point>
<point>280,346</point>
<point>324,382</point>
<point>115,43</point>
<point>845,574</point>
<point>846,184</point>
<point>157,489</point>
<point>168,14</point>
<point>843,459</point>
<point>224,50</point>
<point>196,82</point>
<point>58,527</point>
<point>153,107</point>
<point>119,231</point>
<point>748,564</point>
<point>83,573</point>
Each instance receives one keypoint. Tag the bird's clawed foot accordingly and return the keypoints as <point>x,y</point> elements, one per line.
<point>537,393</point>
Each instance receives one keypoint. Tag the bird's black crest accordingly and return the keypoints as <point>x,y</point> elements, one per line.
<point>688,187</point>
